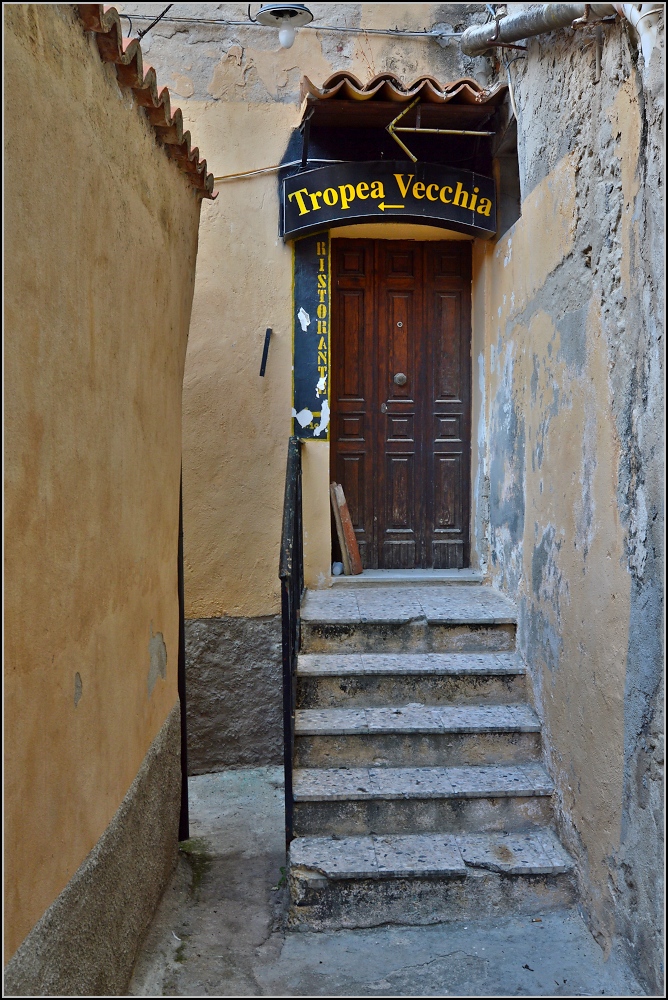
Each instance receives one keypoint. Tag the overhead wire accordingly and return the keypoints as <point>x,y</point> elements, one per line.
<point>397,32</point>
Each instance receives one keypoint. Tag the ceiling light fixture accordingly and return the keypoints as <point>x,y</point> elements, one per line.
<point>285,17</point>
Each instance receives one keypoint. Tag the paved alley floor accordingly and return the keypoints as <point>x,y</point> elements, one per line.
<point>220,928</point>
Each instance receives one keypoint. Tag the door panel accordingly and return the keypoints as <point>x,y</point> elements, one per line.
<point>398,506</point>
<point>401,398</point>
<point>352,386</point>
<point>448,320</point>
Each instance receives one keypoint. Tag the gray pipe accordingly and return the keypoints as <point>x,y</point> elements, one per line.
<point>527,23</point>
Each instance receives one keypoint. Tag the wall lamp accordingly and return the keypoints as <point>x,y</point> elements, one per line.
<point>285,17</point>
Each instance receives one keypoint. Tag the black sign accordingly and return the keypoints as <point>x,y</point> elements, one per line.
<point>311,338</point>
<point>370,192</point>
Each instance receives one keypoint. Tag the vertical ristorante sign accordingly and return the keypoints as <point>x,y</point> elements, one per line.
<point>311,337</point>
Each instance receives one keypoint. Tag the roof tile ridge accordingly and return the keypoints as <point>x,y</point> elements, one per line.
<point>127,56</point>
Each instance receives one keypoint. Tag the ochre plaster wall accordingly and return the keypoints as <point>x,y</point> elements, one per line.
<point>240,97</point>
<point>101,238</point>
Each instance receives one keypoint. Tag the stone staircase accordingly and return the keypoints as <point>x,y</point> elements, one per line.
<point>419,791</point>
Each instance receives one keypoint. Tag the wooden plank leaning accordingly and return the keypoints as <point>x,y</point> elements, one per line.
<point>352,563</point>
<point>339,530</point>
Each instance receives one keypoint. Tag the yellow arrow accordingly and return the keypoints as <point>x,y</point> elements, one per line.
<point>383,206</point>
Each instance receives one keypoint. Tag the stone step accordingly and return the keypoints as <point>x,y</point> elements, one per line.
<point>416,736</point>
<point>409,578</point>
<point>425,878</point>
<point>446,618</point>
<point>416,718</point>
<point>377,679</point>
<point>364,800</point>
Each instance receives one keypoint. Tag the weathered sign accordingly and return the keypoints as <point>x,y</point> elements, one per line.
<point>370,192</point>
<point>311,337</point>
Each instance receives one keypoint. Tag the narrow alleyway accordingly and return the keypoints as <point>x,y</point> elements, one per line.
<point>425,854</point>
<point>220,929</point>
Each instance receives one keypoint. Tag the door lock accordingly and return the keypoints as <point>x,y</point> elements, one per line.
<point>383,407</point>
<point>400,379</point>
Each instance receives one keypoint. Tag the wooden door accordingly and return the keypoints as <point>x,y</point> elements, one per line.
<point>400,443</point>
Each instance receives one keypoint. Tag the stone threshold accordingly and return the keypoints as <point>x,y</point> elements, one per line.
<point>388,577</point>
<point>452,605</point>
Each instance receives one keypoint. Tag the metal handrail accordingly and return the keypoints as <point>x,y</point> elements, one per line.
<point>291,574</point>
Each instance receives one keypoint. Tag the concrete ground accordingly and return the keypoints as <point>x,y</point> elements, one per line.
<point>220,928</point>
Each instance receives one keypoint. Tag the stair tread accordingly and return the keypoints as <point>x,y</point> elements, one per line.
<point>438,605</point>
<point>399,664</point>
<point>416,718</point>
<point>420,855</point>
<point>474,781</point>
<point>409,577</point>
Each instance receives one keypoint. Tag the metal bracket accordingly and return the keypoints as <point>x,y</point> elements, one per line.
<point>584,19</point>
<point>306,138</point>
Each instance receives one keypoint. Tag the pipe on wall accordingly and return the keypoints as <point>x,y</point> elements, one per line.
<point>645,19</point>
<point>550,16</point>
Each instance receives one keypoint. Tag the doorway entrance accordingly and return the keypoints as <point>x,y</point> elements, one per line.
<point>401,398</point>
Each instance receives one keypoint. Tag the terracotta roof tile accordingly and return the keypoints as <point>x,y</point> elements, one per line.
<point>386,87</point>
<point>126,54</point>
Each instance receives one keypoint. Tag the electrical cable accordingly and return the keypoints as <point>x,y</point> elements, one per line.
<point>511,89</point>
<point>127,18</point>
<point>314,27</point>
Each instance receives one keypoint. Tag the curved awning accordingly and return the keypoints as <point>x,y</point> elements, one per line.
<point>344,101</point>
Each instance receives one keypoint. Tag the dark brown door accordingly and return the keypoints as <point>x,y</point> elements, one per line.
<point>401,373</point>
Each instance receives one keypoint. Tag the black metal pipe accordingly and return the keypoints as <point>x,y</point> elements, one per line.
<point>265,352</point>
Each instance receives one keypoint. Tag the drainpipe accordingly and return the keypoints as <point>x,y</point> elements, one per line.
<point>549,16</point>
<point>645,19</point>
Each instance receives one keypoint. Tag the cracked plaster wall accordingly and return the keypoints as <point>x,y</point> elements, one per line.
<point>568,371</point>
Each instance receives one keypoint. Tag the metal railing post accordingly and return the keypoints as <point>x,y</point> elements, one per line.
<point>291,574</point>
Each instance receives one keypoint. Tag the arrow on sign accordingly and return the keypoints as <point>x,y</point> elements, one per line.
<point>383,206</point>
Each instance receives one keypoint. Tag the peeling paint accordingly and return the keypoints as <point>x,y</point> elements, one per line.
<point>324,419</point>
<point>304,319</point>
<point>304,417</point>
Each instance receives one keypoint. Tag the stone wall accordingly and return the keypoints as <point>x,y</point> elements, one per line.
<point>234,693</point>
